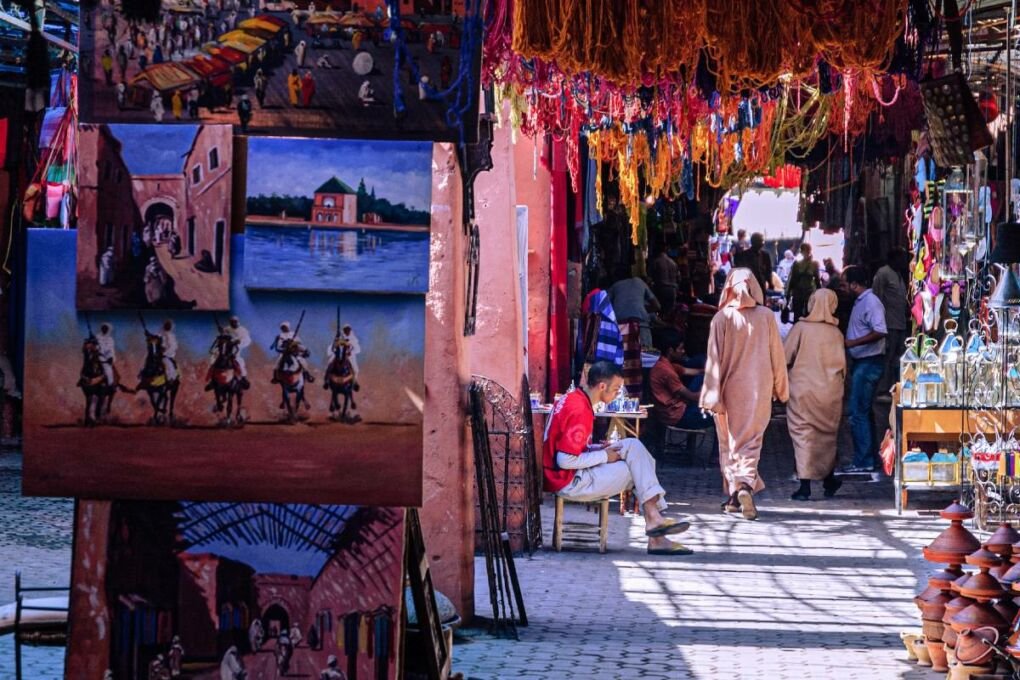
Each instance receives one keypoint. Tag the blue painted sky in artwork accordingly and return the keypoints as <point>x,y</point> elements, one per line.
<point>154,149</point>
<point>401,172</point>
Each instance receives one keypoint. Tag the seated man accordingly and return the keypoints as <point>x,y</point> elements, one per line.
<point>578,471</point>
<point>676,385</point>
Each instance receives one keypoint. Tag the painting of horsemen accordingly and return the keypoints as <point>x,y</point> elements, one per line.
<point>207,591</point>
<point>154,217</point>
<point>281,397</point>
<point>378,69</point>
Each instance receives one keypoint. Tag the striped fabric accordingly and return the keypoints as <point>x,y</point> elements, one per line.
<point>633,378</point>
<point>600,337</point>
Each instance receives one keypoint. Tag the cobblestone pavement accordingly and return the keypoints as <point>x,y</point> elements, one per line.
<point>811,590</point>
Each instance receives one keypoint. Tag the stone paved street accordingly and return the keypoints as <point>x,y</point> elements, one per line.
<point>811,590</point>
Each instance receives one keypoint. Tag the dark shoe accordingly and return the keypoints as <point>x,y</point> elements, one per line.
<point>730,505</point>
<point>855,470</point>
<point>747,508</point>
<point>801,495</point>
<point>671,526</point>
<point>831,486</point>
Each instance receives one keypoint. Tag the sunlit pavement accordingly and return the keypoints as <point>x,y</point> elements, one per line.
<point>811,590</point>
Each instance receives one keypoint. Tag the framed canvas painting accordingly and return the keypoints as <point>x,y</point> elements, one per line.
<point>284,397</point>
<point>154,217</point>
<point>208,591</point>
<point>338,215</point>
<point>316,68</point>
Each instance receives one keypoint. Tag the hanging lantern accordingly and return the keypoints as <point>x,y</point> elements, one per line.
<point>957,228</point>
<point>910,367</point>
<point>930,381</point>
<point>951,357</point>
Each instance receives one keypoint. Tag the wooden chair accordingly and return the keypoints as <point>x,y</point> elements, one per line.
<point>558,524</point>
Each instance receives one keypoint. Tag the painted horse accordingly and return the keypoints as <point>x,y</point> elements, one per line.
<point>227,383</point>
<point>92,381</point>
<point>340,381</point>
<point>153,379</point>
<point>291,377</point>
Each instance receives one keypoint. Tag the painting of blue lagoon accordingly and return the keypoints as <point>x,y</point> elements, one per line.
<point>338,215</point>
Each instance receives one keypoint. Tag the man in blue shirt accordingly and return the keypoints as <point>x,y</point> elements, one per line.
<point>865,342</point>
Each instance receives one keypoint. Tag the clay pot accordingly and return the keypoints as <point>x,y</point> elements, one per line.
<point>983,558</point>
<point>937,651</point>
<point>934,608</point>
<point>921,652</point>
<point>956,585</point>
<point>925,595</point>
<point>955,606</point>
<point>978,615</point>
<point>952,546</point>
<point>982,586</point>
<point>1001,542</point>
<point>943,578</point>
<point>967,672</point>
<point>908,637</point>
<point>933,630</point>
<point>956,511</point>
<point>1007,608</point>
<point>974,647</point>
<point>1011,575</point>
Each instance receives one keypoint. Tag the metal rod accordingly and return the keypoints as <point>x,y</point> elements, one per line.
<point>1010,105</point>
<point>24,25</point>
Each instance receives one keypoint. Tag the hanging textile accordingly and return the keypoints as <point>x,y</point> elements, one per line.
<point>633,379</point>
<point>599,339</point>
<point>383,645</point>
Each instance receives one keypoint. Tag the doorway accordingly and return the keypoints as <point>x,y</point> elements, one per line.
<point>220,244</point>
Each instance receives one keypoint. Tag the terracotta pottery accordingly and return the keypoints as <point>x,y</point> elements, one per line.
<point>933,630</point>
<point>967,672</point>
<point>1002,540</point>
<point>921,652</point>
<point>975,647</point>
<point>948,635</point>
<point>952,546</point>
<point>1007,609</point>
<point>934,608</point>
<point>954,607</point>
<point>925,595</point>
<point>1011,575</point>
<point>956,512</point>
<point>908,637</point>
<point>956,585</point>
<point>943,578</point>
<point>984,558</point>
<point>978,615</point>
<point>937,651</point>
<point>982,586</point>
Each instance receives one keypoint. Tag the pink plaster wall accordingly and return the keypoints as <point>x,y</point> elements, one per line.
<point>496,349</point>
<point>448,503</point>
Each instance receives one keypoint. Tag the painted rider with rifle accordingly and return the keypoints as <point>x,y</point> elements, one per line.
<point>288,342</point>
<point>238,338</point>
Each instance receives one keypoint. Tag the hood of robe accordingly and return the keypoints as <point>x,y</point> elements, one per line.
<point>741,290</point>
<point>822,307</point>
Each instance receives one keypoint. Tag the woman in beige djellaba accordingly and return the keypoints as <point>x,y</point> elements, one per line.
<point>817,366</point>
<point>744,372</point>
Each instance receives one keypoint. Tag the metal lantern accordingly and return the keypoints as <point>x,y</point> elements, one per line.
<point>957,224</point>
<point>953,366</point>
<point>930,382</point>
<point>910,367</point>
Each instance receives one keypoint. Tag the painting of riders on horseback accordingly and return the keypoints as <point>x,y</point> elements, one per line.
<point>283,396</point>
<point>154,217</point>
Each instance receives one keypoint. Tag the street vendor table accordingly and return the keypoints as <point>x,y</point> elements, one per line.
<point>939,424</point>
<point>627,422</point>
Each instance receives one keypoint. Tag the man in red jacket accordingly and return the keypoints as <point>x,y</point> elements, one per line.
<point>578,471</point>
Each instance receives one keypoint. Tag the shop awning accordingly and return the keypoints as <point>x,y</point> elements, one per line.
<point>214,69</point>
<point>167,77</point>
<point>242,42</point>
<point>357,21</point>
<point>228,54</point>
<point>324,20</point>
<point>770,212</point>
<point>262,24</point>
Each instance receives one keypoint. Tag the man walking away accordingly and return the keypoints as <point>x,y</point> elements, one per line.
<point>890,286</point>
<point>865,340</point>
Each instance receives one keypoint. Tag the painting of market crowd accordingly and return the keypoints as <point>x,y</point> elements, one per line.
<point>283,397</point>
<point>338,215</point>
<point>309,67</point>
<point>154,217</point>
<point>207,591</point>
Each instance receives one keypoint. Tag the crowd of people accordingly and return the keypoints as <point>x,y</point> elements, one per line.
<point>844,333</point>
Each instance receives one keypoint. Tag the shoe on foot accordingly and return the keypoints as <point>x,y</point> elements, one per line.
<point>831,486</point>
<point>669,527</point>
<point>730,505</point>
<point>801,495</point>
<point>671,549</point>
<point>856,470</point>
<point>747,508</point>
